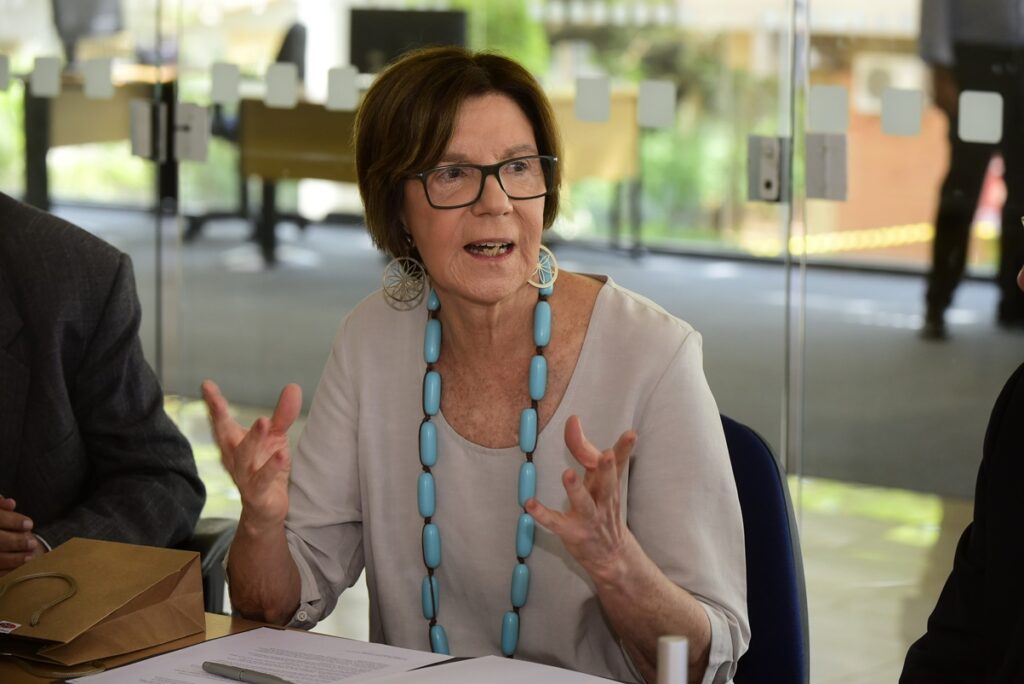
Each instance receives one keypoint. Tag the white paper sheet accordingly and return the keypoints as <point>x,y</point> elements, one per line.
<point>492,670</point>
<point>299,657</point>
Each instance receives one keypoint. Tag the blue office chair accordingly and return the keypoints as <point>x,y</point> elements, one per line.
<point>776,596</point>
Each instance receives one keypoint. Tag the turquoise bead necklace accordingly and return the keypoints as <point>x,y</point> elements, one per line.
<point>426,494</point>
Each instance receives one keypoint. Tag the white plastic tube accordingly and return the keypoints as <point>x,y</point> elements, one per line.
<point>672,654</point>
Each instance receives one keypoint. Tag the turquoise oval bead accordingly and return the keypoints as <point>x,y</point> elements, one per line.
<point>433,303</point>
<point>528,430</point>
<point>432,545</point>
<point>428,444</point>
<point>524,535</point>
<point>432,393</point>
<point>509,633</point>
<point>430,600</point>
<point>538,377</point>
<point>520,585</point>
<point>527,482</point>
<point>425,494</point>
<point>432,341</point>
<point>542,324</point>
<point>438,640</point>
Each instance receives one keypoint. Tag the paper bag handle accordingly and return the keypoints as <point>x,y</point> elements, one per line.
<point>72,590</point>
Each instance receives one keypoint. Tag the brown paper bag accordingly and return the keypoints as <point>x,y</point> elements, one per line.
<point>127,598</point>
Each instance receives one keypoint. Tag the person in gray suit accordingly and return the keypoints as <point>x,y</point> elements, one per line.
<point>86,449</point>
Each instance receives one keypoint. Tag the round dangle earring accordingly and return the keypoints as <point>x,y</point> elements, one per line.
<point>546,272</point>
<point>404,283</point>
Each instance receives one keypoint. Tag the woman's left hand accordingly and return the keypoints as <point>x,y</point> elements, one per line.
<point>593,529</point>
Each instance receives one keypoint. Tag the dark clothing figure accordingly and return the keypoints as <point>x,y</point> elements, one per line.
<point>976,632</point>
<point>999,70</point>
<point>86,448</point>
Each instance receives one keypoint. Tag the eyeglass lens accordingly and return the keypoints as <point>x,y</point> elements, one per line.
<point>523,178</point>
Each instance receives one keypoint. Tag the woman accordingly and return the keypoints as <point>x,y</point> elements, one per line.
<point>457,162</point>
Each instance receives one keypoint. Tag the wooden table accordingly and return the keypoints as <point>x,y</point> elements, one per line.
<point>216,626</point>
<point>71,118</point>
<point>306,141</point>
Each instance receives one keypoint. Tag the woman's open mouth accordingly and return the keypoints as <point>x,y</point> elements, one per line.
<point>489,249</point>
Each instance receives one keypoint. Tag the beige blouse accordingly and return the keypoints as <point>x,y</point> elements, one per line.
<point>353,492</point>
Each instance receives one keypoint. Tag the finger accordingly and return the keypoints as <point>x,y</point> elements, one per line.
<point>288,406</point>
<point>604,486</point>
<point>13,542</point>
<point>257,446</point>
<point>15,559</point>
<point>553,521</point>
<point>580,500</point>
<point>226,430</point>
<point>579,446</point>
<point>7,504</point>
<point>279,463</point>
<point>624,450</point>
<point>14,522</point>
<point>10,561</point>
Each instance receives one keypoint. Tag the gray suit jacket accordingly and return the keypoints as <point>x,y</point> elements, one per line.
<point>85,446</point>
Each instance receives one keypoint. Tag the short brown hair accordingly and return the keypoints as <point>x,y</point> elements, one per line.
<point>408,116</point>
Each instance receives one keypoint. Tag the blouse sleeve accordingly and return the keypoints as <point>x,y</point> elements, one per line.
<point>683,507</point>
<point>324,524</point>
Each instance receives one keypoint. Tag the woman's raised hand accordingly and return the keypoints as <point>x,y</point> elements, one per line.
<point>593,529</point>
<point>257,458</point>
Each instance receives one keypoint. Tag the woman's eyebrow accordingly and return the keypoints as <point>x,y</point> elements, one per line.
<point>509,153</point>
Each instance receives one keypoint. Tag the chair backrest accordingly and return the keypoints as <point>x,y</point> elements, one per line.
<point>293,49</point>
<point>776,595</point>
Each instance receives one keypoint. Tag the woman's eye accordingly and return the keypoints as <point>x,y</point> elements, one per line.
<point>451,173</point>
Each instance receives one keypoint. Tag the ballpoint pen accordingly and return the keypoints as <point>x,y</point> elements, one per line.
<point>240,674</point>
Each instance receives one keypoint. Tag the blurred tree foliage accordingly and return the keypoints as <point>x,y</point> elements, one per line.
<point>693,173</point>
<point>506,26</point>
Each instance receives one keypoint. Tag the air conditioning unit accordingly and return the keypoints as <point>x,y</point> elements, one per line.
<point>873,72</point>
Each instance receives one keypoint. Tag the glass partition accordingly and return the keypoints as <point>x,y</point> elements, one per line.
<point>251,248</point>
<point>891,409</point>
<point>74,68</point>
<point>275,253</point>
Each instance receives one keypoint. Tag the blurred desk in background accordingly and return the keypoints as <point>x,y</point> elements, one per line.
<point>71,118</point>
<point>607,150</point>
<point>308,141</point>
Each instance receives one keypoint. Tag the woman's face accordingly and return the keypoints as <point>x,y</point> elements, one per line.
<point>487,251</point>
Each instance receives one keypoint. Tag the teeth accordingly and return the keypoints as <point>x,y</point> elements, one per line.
<point>490,248</point>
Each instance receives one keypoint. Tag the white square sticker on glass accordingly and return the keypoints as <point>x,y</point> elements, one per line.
<point>45,80</point>
<point>981,116</point>
<point>98,83</point>
<point>593,98</point>
<point>224,80</point>
<point>828,109</point>
<point>5,72</point>
<point>902,109</point>
<point>342,92</point>
<point>656,104</point>
<point>282,86</point>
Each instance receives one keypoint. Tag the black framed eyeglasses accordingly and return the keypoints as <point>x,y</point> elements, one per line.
<point>459,185</point>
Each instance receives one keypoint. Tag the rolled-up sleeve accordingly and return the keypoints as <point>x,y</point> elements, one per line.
<point>324,525</point>
<point>683,507</point>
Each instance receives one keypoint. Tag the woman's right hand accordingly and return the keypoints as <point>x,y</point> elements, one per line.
<point>257,458</point>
